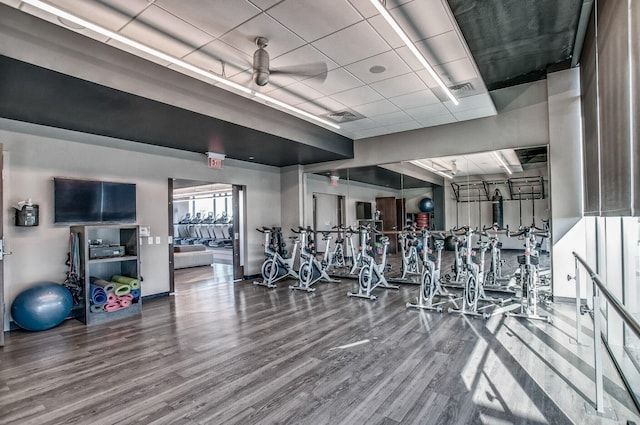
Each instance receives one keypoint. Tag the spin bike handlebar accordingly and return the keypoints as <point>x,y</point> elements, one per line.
<point>528,230</point>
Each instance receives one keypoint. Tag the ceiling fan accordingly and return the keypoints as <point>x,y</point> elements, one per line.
<point>262,71</point>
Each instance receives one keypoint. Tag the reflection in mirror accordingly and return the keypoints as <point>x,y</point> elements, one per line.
<point>483,191</point>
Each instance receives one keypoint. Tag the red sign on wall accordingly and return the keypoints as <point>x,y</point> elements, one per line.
<point>215,163</point>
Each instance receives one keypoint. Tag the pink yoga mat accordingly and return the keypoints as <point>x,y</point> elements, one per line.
<point>126,297</point>
<point>112,307</point>
<point>124,303</point>
<point>111,298</point>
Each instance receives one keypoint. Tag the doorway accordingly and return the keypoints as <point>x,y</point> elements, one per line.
<point>205,221</point>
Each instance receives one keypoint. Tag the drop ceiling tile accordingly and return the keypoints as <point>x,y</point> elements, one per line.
<point>383,28</point>
<point>414,100</point>
<point>321,106</point>
<point>328,16</point>
<point>475,113</point>
<point>471,102</point>
<point>281,40</point>
<point>442,48</point>
<point>379,107</point>
<point>297,90</point>
<point>361,124</point>
<point>110,14</point>
<point>428,111</point>
<point>403,126</point>
<point>392,118</point>
<point>390,60</point>
<point>371,132</point>
<point>352,44</point>
<point>213,55</point>
<point>437,120</point>
<point>215,18</point>
<point>457,71</point>
<point>168,34</point>
<point>422,19</point>
<point>427,78</point>
<point>357,96</point>
<point>364,7</point>
<point>264,4</point>
<point>337,80</point>
<point>397,86</point>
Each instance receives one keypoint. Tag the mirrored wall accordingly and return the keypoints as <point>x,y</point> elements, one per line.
<point>508,187</point>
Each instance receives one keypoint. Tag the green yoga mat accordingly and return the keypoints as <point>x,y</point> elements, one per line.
<point>133,283</point>
<point>122,289</point>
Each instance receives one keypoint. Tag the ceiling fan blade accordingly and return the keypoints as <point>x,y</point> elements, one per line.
<point>316,70</point>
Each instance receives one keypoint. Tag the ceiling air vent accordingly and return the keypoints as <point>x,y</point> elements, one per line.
<point>461,88</point>
<point>343,116</point>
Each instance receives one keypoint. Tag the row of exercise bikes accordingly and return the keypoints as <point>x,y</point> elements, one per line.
<point>421,256</point>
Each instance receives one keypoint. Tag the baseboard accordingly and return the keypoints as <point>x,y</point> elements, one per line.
<point>251,276</point>
<point>152,296</point>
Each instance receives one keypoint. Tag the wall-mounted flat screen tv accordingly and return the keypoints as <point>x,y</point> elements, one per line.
<point>90,201</point>
<point>363,211</point>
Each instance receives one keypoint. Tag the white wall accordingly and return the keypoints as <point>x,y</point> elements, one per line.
<point>35,154</point>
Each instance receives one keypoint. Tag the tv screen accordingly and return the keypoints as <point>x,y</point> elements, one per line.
<point>89,201</point>
<point>363,211</point>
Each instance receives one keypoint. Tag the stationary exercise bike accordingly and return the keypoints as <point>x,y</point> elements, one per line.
<point>430,286</point>
<point>275,266</point>
<point>336,256</point>
<point>494,275</point>
<point>474,283</point>
<point>459,237</point>
<point>371,274</point>
<point>311,270</point>
<point>356,255</point>
<point>529,278</point>
<point>409,250</point>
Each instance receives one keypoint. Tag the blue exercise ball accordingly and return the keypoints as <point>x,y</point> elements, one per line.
<point>42,307</point>
<point>426,205</point>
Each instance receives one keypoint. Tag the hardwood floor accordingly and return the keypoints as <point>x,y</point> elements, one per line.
<point>224,353</point>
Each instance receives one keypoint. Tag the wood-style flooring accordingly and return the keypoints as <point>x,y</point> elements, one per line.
<point>218,352</point>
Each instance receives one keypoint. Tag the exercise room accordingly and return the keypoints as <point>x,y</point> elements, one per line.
<point>335,212</point>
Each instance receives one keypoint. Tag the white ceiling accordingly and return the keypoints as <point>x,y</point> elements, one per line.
<point>349,36</point>
<point>477,164</point>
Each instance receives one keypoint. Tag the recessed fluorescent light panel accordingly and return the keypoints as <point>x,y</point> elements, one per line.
<point>433,170</point>
<point>412,47</point>
<point>252,94</point>
<point>502,162</point>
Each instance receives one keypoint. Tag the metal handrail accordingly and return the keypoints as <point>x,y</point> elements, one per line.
<point>613,300</point>
<point>599,288</point>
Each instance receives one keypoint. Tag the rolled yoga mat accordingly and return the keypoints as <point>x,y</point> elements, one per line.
<point>126,297</point>
<point>112,307</point>
<point>96,308</point>
<point>133,283</point>
<point>107,286</point>
<point>124,302</point>
<point>111,298</point>
<point>98,295</point>
<point>122,289</point>
<point>135,293</point>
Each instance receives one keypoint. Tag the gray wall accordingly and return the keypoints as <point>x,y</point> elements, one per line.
<point>35,154</point>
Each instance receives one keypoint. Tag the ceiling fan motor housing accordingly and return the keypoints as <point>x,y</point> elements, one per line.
<point>261,63</point>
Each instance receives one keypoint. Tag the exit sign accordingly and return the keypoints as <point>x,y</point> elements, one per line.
<point>215,163</point>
